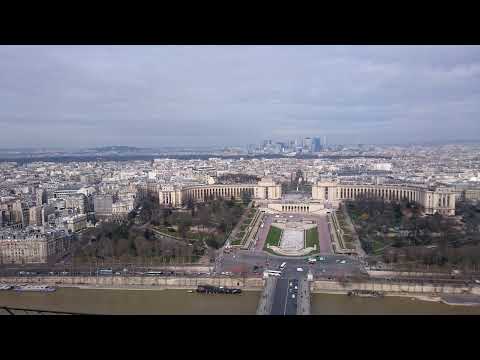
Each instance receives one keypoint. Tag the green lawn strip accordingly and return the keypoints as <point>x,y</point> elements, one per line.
<point>377,247</point>
<point>244,226</point>
<point>347,233</point>
<point>236,241</point>
<point>312,237</point>
<point>273,237</point>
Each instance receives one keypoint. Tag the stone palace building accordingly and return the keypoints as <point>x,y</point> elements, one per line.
<point>325,194</point>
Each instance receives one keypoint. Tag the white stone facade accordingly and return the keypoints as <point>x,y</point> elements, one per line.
<point>264,189</point>
<point>33,247</point>
<point>434,200</point>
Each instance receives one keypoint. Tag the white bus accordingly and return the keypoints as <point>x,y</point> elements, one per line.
<point>154,273</point>
<point>273,272</point>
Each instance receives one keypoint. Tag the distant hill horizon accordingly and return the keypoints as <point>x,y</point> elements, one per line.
<point>117,148</point>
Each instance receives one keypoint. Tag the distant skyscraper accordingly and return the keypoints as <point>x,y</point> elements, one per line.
<point>267,143</point>
<point>307,144</point>
<point>317,146</point>
<point>324,141</point>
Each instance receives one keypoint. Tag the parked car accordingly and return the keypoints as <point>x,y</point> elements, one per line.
<point>299,269</point>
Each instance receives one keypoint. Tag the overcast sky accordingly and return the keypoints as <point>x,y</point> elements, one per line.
<point>235,95</point>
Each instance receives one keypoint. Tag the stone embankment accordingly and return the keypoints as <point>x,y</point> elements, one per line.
<point>409,274</point>
<point>392,288</point>
<point>303,303</point>
<point>266,300</point>
<point>122,282</point>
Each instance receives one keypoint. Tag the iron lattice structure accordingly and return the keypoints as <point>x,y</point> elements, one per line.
<point>7,310</point>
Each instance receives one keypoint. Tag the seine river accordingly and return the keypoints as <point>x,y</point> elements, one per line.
<point>328,304</point>
<point>134,302</point>
<point>171,302</point>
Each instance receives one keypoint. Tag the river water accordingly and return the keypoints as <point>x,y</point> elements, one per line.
<point>172,302</point>
<point>134,302</point>
<point>330,304</point>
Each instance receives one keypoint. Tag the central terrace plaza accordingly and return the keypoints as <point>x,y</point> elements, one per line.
<point>294,234</point>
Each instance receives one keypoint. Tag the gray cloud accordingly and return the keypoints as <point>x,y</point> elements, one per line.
<point>219,95</point>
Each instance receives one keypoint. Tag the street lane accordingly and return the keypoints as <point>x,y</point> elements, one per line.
<point>285,297</point>
<point>324,239</point>
<point>331,266</point>
<point>263,232</point>
<point>280,297</point>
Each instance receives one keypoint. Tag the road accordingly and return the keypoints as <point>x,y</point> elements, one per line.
<point>324,235</point>
<point>285,297</point>
<point>330,266</point>
<point>263,232</point>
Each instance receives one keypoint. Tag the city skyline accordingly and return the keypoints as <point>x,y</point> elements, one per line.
<point>147,96</point>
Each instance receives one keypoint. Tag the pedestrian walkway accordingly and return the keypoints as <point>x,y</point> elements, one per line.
<point>266,300</point>
<point>303,307</point>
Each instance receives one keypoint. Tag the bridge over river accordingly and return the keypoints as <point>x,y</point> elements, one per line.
<point>285,295</point>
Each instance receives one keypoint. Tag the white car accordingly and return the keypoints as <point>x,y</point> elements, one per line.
<point>321,258</point>
<point>477,281</point>
<point>299,269</point>
<point>343,262</point>
<point>293,296</point>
